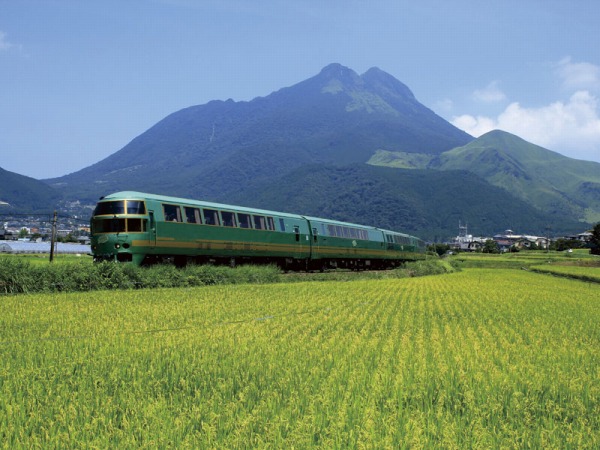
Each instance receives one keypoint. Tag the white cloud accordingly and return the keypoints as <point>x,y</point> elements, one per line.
<point>571,128</point>
<point>475,126</point>
<point>4,44</point>
<point>490,94</point>
<point>578,76</point>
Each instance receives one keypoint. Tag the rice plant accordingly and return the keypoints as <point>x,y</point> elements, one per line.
<point>479,358</point>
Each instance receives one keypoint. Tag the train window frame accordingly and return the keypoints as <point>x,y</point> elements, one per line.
<point>210,217</point>
<point>138,209</point>
<point>270,224</point>
<point>244,220</point>
<point>192,213</point>
<point>174,215</point>
<point>228,219</point>
<point>259,222</point>
<point>107,208</point>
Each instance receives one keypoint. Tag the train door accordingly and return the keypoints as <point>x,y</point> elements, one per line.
<point>314,241</point>
<point>298,240</point>
<point>152,230</point>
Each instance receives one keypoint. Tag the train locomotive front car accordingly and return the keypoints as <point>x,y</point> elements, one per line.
<point>146,228</point>
<point>119,220</point>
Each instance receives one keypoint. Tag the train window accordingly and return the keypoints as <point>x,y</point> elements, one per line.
<point>172,213</point>
<point>211,216</point>
<point>331,229</point>
<point>192,215</point>
<point>136,225</point>
<point>109,226</point>
<point>323,232</point>
<point>260,222</point>
<point>297,231</point>
<point>135,207</point>
<point>110,208</point>
<point>228,218</point>
<point>244,220</point>
<point>339,232</point>
<point>270,224</point>
<point>281,225</point>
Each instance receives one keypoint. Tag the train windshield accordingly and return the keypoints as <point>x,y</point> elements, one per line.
<point>110,208</point>
<point>120,207</point>
<point>135,207</point>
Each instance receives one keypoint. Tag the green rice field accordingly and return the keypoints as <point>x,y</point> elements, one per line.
<point>481,358</point>
<point>586,273</point>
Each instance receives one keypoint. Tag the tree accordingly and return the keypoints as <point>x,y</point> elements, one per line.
<point>440,249</point>
<point>595,240</point>
<point>490,246</point>
<point>561,244</point>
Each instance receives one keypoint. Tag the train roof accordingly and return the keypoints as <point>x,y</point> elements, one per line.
<point>337,222</point>
<point>133,195</point>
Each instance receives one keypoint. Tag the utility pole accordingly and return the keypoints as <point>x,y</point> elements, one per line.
<point>53,237</point>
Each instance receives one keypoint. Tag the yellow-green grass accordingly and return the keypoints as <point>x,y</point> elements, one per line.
<point>586,273</point>
<point>475,359</point>
<point>524,258</point>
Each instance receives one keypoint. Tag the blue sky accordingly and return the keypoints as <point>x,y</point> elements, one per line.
<point>80,79</point>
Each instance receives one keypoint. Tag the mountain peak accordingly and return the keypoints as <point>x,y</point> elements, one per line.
<point>339,77</point>
<point>337,70</point>
<point>335,117</point>
<point>382,81</point>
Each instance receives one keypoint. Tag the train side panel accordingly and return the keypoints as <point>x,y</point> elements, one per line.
<point>201,231</point>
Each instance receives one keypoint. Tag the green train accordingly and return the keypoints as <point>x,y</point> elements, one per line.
<point>145,229</point>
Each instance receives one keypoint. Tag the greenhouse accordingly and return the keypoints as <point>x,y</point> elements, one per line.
<point>42,247</point>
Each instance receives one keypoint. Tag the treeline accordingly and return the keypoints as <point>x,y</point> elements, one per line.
<point>20,276</point>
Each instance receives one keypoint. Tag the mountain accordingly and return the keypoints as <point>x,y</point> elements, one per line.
<point>19,193</point>
<point>303,149</point>
<point>553,183</point>
<point>426,203</point>
<point>210,151</point>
